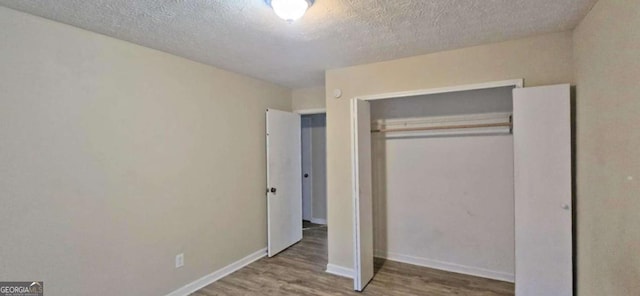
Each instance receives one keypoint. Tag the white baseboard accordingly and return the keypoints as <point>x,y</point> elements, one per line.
<point>319,221</point>
<point>447,266</point>
<point>340,271</point>
<point>218,274</point>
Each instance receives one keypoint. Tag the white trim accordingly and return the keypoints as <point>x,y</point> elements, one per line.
<point>319,221</point>
<point>339,271</point>
<point>517,83</point>
<point>447,266</point>
<point>218,274</point>
<point>311,111</point>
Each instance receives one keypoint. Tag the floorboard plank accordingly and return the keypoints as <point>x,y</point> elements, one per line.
<point>300,270</point>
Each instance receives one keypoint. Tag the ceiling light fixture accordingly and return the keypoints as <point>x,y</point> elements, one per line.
<point>290,10</point>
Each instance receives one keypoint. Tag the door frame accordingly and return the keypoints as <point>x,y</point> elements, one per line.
<point>516,83</point>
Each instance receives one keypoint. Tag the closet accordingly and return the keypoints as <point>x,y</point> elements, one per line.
<point>473,179</point>
<point>442,171</point>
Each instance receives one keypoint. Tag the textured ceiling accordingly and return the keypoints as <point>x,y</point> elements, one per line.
<point>245,36</point>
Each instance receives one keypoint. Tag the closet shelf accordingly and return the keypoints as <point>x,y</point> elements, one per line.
<point>444,127</point>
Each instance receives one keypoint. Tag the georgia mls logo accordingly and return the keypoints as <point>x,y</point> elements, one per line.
<point>21,288</point>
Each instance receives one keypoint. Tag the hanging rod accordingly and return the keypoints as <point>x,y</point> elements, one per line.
<point>411,129</point>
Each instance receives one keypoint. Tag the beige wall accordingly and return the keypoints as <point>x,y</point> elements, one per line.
<point>607,64</point>
<point>308,98</point>
<point>540,60</point>
<point>115,158</point>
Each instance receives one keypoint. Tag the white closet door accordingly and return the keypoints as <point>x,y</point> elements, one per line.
<point>362,193</point>
<point>543,216</point>
<point>284,193</point>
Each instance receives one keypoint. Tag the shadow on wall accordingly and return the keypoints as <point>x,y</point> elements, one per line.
<point>379,178</point>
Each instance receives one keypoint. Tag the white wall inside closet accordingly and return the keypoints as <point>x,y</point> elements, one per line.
<point>445,201</point>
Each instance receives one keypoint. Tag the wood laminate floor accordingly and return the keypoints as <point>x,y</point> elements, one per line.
<point>300,270</point>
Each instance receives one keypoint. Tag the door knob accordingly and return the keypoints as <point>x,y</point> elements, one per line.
<point>273,190</point>
<point>565,206</point>
<point>306,175</point>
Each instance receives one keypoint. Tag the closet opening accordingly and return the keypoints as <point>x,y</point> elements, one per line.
<point>442,181</point>
<point>473,179</point>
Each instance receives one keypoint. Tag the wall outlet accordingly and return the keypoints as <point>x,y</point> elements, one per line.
<point>179,260</point>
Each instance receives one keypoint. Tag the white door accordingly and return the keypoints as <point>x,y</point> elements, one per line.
<point>543,215</point>
<point>307,185</point>
<point>362,193</point>
<point>284,193</point>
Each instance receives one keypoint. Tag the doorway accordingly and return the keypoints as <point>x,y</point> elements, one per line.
<point>296,176</point>
<point>314,175</point>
